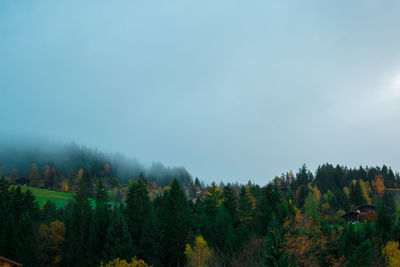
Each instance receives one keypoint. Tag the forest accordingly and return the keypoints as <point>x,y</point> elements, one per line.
<point>66,159</point>
<point>294,220</point>
<point>199,133</point>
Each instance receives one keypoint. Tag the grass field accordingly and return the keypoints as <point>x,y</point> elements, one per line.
<point>42,195</point>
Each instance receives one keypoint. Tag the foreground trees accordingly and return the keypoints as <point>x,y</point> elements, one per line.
<point>289,222</point>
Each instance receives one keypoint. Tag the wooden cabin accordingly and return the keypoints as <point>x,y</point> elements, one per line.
<point>350,217</point>
<point>365,208</point>
<point>23,181</point>
<point>353,216</point>
<point>4,262</point>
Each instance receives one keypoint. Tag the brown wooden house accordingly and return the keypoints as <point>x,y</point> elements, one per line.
<point>4,262</point>
<point>365,208</point>
<point>355,214</point>
<point>350,216</point>
<point>23,181</point>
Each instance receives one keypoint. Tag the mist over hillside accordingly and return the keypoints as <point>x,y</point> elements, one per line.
<point>20,154</point>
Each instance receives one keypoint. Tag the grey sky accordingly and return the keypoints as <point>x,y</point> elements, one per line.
<point>232,90</point>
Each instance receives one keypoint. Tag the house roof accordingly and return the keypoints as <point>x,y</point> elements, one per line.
<point>10,261</point>
<point>354,211</point>
<point>349,213</point>
<point>22,179</point>
<point>364,205</point>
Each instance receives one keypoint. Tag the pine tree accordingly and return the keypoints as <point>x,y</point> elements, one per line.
<point>149,247</point>
<point>197,182</point>
<point>18,231</point>
<point>213,200</point>
<point>301,195</point>
<point>137,209</point>
<point>224,238</point>
<point>101,193</point>
<point>362,255</point>
<point>87,180</point>
<point>118,242</point>
<point>99,224</point>
<point>356,194</point>
<point>303,177</point>
<point>77,228</point>
<point>175,221</point>
<point>274,244</point>
<point>48,212</point>
<point>34,175</point>
<point>5,218</point>
<point>270,202</point>
<point>231,203</point>
<point>386,216</point>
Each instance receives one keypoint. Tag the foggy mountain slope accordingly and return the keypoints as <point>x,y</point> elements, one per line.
<point>20,155</point>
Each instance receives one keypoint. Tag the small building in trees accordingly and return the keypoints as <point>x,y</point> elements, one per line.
<point>4,262</point>
<point>23,181</point>
<point>365,208</point>
<point>350,216</point>
<point>360,214</point>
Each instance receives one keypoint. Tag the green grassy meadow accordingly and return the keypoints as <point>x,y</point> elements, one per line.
<point>60,198</point>
<point>42,195</point>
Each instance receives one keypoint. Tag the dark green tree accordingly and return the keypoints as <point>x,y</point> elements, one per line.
<point>231,203</point>
<point>101,193</point>
<point>77,228</point>
<point>175,225</point>
<point>356,195</point>
<point>275,244</point>
<point>386,217</point>
<point>137,209</point>
<point>48,212</point>
<point>99,224</point>
<point>362,255</point>
<point>87,180</point>
<point>118,242</point>
<point>197,182</point>
<point>223,237</point>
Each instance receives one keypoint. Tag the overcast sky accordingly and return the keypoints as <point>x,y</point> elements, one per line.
<point>232,90</point>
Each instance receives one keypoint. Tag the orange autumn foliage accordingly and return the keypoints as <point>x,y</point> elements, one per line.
<point>378,185</point>
<point>306,243</point>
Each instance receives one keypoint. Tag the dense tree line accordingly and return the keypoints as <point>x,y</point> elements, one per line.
<point>295,220</point>
<point>56,162</point>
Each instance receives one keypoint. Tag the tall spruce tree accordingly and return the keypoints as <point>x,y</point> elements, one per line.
<point>224,237</point>
<point>356,194</point>
<point>101,193</point>
<point>386,216</point>
<point>175,222</point>
<point>118,242</point>
<point>77,228</point>
<point>99,225</point>
<point>231,203</point>
<point>137,211</point>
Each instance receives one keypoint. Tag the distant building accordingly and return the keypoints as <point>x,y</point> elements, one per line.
<point>4,262</point>
<point>23,181</point>
<point>350,216</point>
<point>354,215</point>
<point>365,208</point>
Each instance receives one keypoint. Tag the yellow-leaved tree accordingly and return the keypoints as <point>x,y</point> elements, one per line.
<point>80,174</point>
<point>316,192</point>
<point>199,255</point>
<point>64,186</point>
<point>391,253</point>
<point>366,190</point>
<point>51,240</point>
<point>123,263</point>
